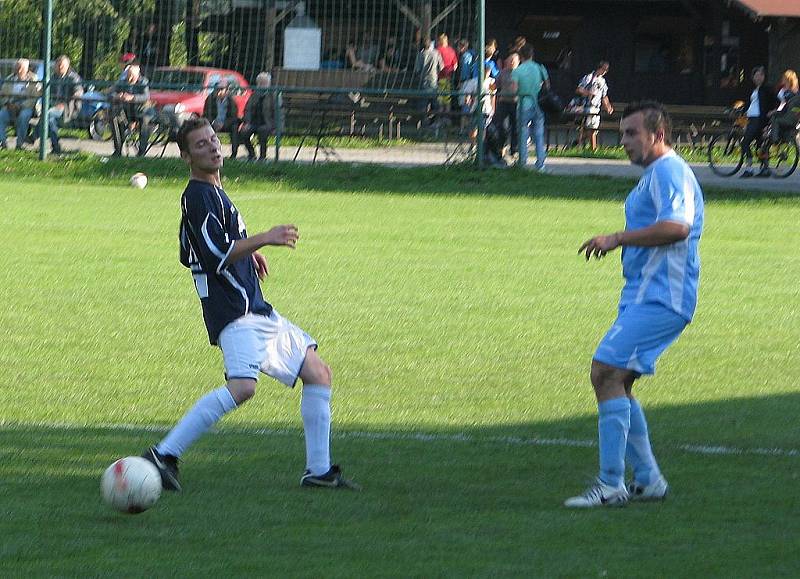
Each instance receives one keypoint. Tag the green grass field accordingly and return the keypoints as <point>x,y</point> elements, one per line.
<point>460,326</point>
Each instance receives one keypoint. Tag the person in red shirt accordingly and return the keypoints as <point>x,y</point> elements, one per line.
<point>450,60</point>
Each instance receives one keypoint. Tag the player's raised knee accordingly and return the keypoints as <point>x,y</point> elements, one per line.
<point>242,390</point>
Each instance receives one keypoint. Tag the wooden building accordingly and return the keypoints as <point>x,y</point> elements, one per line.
<point>694,52</point>
<point>678,51</point>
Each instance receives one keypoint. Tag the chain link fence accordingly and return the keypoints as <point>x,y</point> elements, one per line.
<point>354,81</point>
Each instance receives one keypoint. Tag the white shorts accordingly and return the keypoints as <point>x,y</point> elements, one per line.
<point>270,344</point>
<point>591,122</point>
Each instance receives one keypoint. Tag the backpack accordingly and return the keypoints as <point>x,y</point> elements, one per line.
<point>548,100</point>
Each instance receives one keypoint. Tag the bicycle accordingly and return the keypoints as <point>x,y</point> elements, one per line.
<point>726,155</point>
<point>162,129</point>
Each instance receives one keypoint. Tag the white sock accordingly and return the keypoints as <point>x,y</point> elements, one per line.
<point>315,408</point>
<point>207,411</point>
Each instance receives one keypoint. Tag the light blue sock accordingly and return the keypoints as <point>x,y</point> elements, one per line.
<point>207,411</point>
<point>613,424</point>
<point>639,453</point>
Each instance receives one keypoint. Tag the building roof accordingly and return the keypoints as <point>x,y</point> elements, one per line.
<point>767,8</point>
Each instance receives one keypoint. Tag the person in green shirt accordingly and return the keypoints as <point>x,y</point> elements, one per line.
<point>527,80</point>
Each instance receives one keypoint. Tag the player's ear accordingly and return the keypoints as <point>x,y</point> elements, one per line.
<point>187,158</point>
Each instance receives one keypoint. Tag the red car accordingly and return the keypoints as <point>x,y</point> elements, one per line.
<point>183,83</point>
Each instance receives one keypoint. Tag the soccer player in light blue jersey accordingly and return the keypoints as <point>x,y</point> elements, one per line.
<point>661,266</point>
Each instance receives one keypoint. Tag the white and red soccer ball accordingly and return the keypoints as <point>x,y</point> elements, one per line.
<point>131,485</point>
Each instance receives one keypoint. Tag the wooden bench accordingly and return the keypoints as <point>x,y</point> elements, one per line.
<point>692,125</point>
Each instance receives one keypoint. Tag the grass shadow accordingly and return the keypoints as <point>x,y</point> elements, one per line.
<point>476,501</point>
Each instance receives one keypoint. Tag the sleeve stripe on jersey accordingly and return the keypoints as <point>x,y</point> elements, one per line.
<point>688,192</point>
<point>204,230</point>
<point>224,261</point>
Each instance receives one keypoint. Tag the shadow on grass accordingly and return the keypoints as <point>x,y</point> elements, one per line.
<point>471,501</point>
<point>351,178</point>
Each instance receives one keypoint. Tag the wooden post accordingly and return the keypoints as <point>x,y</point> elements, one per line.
<point>192,33</point>
<point>270,25</point>
<point>426,19</point>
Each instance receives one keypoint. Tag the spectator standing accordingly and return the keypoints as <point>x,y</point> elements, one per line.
<point>17,100</point>
<point>449,66</point>
<point>493,54</point>
<point>762,100</point>
<point>505,118</point>
<point>527,80</point>
<point>221,111</point>
<point>429,63</point>
<point>65,99</point>
<point>467,75</point>
<point>490,60</point>
<point>130,103</point>
<point>594,89</point>
<point>259,118</point>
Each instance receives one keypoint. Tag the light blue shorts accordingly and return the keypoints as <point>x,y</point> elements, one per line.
<point>271,345</point>
<point>639,336</point>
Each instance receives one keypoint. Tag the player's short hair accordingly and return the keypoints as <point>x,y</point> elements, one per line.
<point>759,68</point>
<point>189,125</point>
<point>655,117</point>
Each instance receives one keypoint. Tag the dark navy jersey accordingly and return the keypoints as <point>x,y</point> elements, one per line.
<point>210,225</point>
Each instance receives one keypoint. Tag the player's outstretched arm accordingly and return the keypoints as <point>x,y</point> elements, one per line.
<point>660,233</point>
<point>280,235</point>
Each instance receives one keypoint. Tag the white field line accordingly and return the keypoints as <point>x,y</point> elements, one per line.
<point>704,449</point>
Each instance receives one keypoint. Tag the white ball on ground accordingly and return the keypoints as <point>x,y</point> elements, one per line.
<point>131,485</point>
<point>139,180</point>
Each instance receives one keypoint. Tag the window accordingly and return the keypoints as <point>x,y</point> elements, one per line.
<point>665,45</point>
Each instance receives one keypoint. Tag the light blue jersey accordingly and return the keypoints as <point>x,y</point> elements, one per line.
<point>667,274</point>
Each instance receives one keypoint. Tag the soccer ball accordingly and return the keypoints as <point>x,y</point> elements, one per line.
<point>131,485</point>
<point>139,180</point>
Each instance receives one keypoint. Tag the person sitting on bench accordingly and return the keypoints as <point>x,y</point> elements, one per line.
<point>259,118</point>
<point>221,111</point>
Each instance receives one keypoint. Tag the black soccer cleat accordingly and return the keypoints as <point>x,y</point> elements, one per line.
<point>167,466</point>
<point>332,479</point>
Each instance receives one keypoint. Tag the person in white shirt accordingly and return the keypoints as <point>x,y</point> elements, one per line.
<point>594,89</point>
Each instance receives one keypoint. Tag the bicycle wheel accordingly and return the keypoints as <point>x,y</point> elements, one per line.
<point>130,140</point>
<point>100,126</point>
<point>725,154</point>
<point>783,158</point>
<point>158,139</point>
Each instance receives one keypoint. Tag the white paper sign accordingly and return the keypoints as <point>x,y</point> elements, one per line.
<point>302,48</point>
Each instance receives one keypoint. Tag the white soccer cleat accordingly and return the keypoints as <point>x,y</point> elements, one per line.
<point>599,495</point>
<point>656,491</point>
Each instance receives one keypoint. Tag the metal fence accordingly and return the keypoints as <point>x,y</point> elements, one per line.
<point>346,81</point>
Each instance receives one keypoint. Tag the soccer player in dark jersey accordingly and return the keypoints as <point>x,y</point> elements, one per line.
<point>226,267</point>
